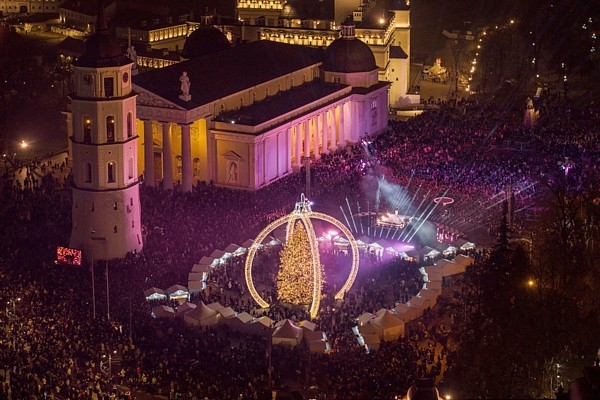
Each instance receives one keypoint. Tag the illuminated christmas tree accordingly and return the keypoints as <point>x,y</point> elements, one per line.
<point>295,276</point>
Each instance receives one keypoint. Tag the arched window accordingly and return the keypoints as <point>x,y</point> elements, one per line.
<point>115,206</point>
<point>110,128</point>
<point>87,129</point>
<point>111,172</point>
<point>88,172</point>
<point>129,125</point>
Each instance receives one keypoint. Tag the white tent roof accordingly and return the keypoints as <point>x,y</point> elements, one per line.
<point>154,293</point>
<point>215,306</point>
<point>250,243</point>
<point>464,244</point>
<point>195,287</point>
<point>235,249</point>
<point>434,285</point>
<point>388,326</point>
<point>364,318</point>
<point>195,276</point>
<point>265,321</point>
<point>220,255</point>
<point>163,311</point>
<point>429,294</point>
<point>433,272</point>
<point>227,312</point>
<point>202,268</point>
<point>201,316</point>
<point>311,326</point>
<point>406,313</point>
<point>288,329</point>
<point>177,291</point>
<point>209,261</point>
<point>184,308</point>
<point>417,302</point>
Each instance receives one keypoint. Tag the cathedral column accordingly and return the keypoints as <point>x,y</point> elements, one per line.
<point>149,178</point>
<point>325,133</point>
<point>334,128</point>
<point>167,157</point>
<point>342,126</point>
<point>306,129</point>
<point>298,145</point>
<point>186,159</point>
<point>316,132</point>
<point>288,153</point>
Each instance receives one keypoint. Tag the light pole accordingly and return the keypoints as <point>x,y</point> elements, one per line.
<point>13,319</point>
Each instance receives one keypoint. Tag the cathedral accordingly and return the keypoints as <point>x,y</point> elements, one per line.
<point>245,116</point>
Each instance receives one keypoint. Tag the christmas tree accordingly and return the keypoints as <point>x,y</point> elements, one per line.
<point>296,275</point>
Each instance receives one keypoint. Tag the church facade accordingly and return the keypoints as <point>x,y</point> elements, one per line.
<point>249,115</point>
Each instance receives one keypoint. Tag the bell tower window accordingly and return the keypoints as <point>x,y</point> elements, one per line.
<point>109,87</point>
<point>129,125</point>
<point>88,172</point>
<point>87,129</point>
<point>110,176</point>
<point>110,129</point>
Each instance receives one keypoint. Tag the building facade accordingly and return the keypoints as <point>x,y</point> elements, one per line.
<point>253,112</point>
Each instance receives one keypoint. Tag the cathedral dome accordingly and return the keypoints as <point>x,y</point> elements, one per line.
<point>348,54</point>
<point>204,41</point>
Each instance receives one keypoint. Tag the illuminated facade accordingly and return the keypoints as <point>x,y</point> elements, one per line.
<point>106,215</point>
<point>253,112</point>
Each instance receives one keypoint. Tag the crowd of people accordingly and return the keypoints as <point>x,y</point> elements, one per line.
<point>61,342</point>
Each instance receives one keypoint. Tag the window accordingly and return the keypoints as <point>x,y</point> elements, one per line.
<point>87,129</point>
<point>115,207</point>
<point>130,168</point>
<point>110,128</point>
<point>109,87</point>
<point>88,173</point>
<point>129,125</point>
<point>111,172</point>
<point>373,104</point>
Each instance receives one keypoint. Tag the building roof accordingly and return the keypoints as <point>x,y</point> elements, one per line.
<point>228,72</point>
<point>281,103</point>
<point>348,54</point>
<point>397,52</point>
<point>204,41</point>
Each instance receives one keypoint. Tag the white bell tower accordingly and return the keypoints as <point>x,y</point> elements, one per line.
<point>106,213</point>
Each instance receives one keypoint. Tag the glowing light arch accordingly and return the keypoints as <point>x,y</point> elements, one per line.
<point>304,213</point>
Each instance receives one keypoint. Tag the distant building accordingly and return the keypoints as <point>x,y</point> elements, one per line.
<point>10,7</point>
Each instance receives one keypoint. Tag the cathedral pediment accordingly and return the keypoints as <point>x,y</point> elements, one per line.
<point>146,98</point>
<point>232,155</point>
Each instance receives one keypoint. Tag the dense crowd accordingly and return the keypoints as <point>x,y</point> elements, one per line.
<point>57,344</point>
